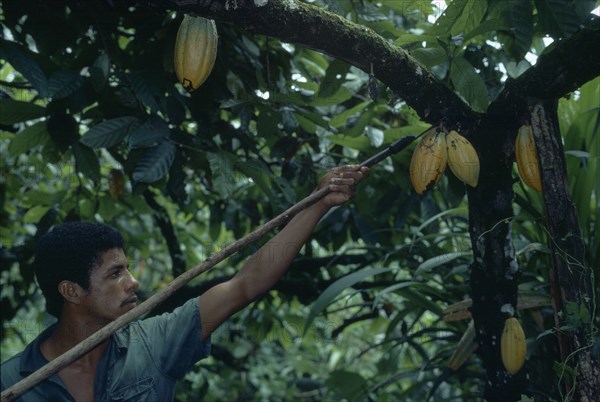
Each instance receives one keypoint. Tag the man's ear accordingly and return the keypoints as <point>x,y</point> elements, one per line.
<point>71,291</point>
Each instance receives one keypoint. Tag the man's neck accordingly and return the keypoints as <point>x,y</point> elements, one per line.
<point>66,335</point>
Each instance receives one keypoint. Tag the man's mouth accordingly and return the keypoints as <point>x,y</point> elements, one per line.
<point>131,300</point>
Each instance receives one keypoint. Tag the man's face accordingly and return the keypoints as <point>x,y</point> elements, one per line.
<point>112,288</point>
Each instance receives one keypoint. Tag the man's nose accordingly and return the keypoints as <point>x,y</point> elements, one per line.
<point>133,284</point>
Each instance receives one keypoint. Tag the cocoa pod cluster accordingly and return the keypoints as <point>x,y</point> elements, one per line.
<point>438,149</point>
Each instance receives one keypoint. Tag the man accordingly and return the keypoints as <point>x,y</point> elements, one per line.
<point>83,273</point>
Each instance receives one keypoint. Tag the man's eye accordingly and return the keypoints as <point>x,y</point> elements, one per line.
<point>116,274</point>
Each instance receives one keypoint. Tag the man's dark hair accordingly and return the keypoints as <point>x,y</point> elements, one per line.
<point>69,252</point>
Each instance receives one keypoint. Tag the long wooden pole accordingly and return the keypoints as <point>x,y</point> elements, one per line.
<point>105,332</point>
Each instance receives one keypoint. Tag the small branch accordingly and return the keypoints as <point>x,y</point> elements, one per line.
<point>355,319</point>
<point>167,229</point>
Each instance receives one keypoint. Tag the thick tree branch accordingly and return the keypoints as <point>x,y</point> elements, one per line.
<point>316,28</point>
<point>570,64</point>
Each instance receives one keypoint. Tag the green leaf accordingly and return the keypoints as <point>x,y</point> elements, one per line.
<point>142,87</point>
<point>87,161</point>
<point>340,96</point>
<point>13,111</point>
<point>110,132</point>
<point>336,288</point>
<point>63,83</point>
<point>361,143</point>
<point>422,301</point>
<point>29,138</point>
<point>460,17</point>
<point>345,118</point>
<point>34,214</point>
<point>454,211</point>
<point>331,82</point>
<point>518,17</point>
<point>307,125</point>
<point>108,208</point>
<point>155,163</point>
<point>347,384</point>
<point>430,56</point>
<point>22,60</point>
<point>469,84</point>
<point>438,260</point>
<point>490,25</point>
<point>560,18</point>
<point>407,39</point>
<point>223,173</point>
<point>258,173</point>
<point>151,133</point>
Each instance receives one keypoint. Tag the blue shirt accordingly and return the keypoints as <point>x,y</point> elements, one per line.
<point>142,361</point>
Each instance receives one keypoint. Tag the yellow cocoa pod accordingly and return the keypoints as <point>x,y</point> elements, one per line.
<point>195,51</point>
<point>512,345</point>
<point>527,159</point>
<point>462,158</point>
<point>428,161</point>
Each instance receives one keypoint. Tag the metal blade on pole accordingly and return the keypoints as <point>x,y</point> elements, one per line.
<point>105,332</point>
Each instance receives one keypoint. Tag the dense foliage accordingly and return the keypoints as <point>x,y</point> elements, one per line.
<point>95,126</point>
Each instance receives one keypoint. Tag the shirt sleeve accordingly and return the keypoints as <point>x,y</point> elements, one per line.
<point>173,339</point>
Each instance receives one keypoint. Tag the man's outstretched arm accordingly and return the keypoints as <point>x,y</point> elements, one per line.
<point>271,261</point>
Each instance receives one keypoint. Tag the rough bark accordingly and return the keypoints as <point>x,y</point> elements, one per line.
<point>575,281</point>
<point>571,63</point>
<point>494,271</point>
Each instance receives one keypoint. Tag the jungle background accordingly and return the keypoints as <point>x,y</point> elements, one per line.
<point>96,127</point>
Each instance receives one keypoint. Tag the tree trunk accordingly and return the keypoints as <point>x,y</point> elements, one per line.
<point>574,282</point>
<point>494,272</point>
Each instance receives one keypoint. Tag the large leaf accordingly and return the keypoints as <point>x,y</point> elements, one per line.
<point>144,90</point>
<point>258,173</point>
<point>430,56</point>
<point>16,111</point>
<point>517,17</point>
<point>63,83</point>
<point>151,133</point>
<point>340,96</point>
<point>334,77</point>
<point>87,161</point>
<point>223,173</point>
<point>155,163</point>
<point>29,138</point>
<point>438,260</point>
<point>336,288</point>
<point>22,60</point>
<point>460,17</point>
<point>560,18</point>
<point>469,84</point>
<point>350,386</point>
<point>110,132</point>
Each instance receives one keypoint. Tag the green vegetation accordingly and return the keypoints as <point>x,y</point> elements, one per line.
<point>95,126</point>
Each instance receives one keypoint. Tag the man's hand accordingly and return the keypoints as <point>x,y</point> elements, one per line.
<point>342,181</point>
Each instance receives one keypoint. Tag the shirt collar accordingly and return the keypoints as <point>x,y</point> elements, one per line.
<point>32,358</point>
